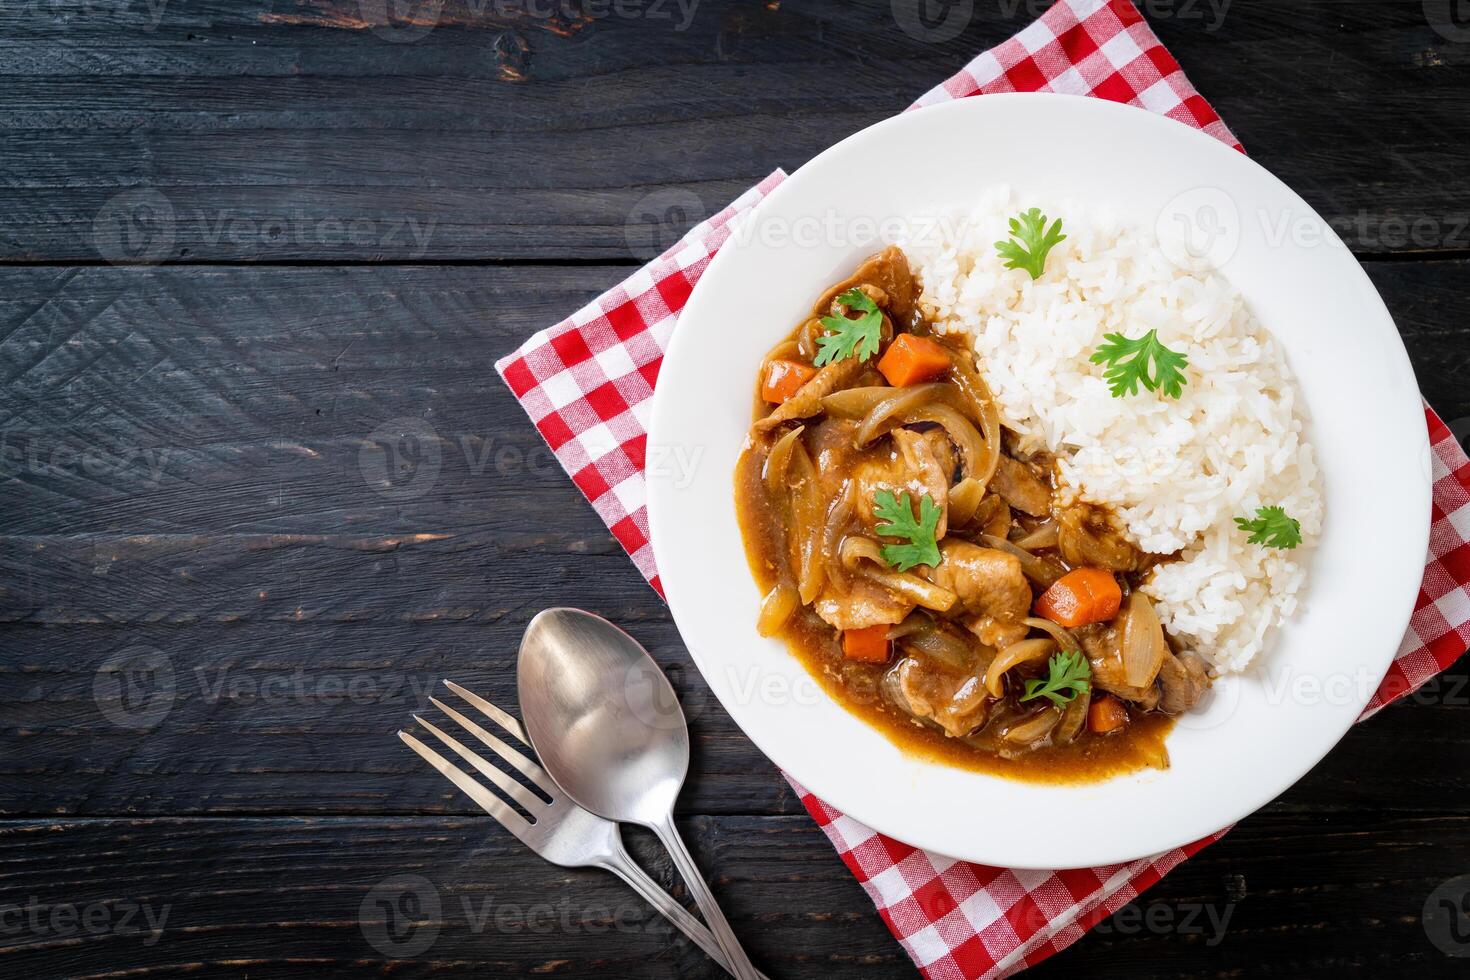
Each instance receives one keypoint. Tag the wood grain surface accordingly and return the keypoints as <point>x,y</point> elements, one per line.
<point>256,261</point>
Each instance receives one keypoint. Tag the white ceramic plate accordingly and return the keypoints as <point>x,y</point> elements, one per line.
<point>1254,735</point>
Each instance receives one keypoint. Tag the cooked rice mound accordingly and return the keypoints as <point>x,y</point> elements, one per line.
<point>1178,472</point>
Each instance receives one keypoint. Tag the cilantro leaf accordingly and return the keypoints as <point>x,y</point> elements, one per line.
<point>923,548</point>
<point>850,335</point>
<point>1128,365</point>
<point>1069,675</point>
<point>1035,241</point>
<point>1272,528</point>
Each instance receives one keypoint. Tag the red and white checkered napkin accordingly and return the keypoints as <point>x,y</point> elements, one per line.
<point>587,384</point>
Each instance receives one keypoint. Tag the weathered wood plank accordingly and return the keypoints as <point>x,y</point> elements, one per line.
<point>287,717</point>
<point>285,897</point>
<point>285,130</point>
<point>234,403</point>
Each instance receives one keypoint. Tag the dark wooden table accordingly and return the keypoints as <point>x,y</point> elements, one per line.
<point>262,489</point>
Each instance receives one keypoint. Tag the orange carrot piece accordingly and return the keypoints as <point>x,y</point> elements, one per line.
<point>1106,714</point>
<point>784,378</point>
<point>912,360</point>
<point>1080,597</point>
<point>869,645</point>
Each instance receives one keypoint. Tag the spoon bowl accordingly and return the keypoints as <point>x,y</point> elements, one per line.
<point>621,745</point>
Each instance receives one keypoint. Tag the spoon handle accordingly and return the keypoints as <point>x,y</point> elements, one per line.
<point>739,963</point>
<point>620,864</point>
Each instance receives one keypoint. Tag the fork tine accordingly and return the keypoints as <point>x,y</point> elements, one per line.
<point>489,802</point>
<point>528,768</point>
<point>502,718</point>
<point>515,790</point>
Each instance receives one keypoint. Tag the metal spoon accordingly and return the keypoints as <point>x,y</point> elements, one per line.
<point>608,728</point>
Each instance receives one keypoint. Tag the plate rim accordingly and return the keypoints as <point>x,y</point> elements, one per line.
<point>659,484</point>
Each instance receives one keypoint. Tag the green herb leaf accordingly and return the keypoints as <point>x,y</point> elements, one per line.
<point>923,548</point>
<point>1069,675</point>
<point>847,335</point>
<point>1128,362</point>
<point>1031,241</point>
<point>1272,528</point>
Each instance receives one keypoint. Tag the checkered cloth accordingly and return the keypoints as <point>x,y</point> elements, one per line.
<point>587,384</point>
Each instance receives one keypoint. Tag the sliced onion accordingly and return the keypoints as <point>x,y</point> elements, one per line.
<point>1024,652</point>
<point>1045,536</point>
<point>902,400</point>
<point>961,432</point>
<point>1143,646</point>
<point>1034,728</point>
<point>1074,716</point>
<point>806,524</point>
<point>1036,570</point>
<point>855,550</point>
<point>784,349</point>
<point>964,500</point>
<point>917,590</point>
<point>982,406</point>
<point>1063,636</point>
<point>778,461</point>
<point>777,609</point>
<point>806,339</point>
<point>912,623</point>
<point>855,403</point>
<point>942,645</point>
<point>838,516</point>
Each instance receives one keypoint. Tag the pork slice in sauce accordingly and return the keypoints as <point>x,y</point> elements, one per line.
<point>992,588</point>
<point>860,603</point>
<point>1021,487</point>
<point>956,702</point>
<point>1091,535</point>
<point>1103,645</point>
<point>829,440</point>
<point>917,463</point>
<point>1183,680</point>
<point>889,271</point>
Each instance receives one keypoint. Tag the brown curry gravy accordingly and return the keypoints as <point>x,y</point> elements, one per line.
<point>856,686</point>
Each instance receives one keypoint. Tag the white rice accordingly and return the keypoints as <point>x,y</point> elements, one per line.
<point>1177,472</point>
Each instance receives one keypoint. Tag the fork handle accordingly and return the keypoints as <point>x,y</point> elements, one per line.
<point>620,864</point>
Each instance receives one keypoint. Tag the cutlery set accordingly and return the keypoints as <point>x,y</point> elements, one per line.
<point>608,756</point>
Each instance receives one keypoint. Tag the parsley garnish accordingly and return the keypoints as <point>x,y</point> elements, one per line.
<point>922,548</point>
<point>848,335</point>
<point>1069,676</point>
<point>1036,240</point>
<point>1272,528</point>
<point>1128,362</point>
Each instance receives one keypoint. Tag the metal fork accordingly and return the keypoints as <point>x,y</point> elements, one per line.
<point>563,832</point>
